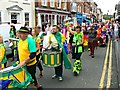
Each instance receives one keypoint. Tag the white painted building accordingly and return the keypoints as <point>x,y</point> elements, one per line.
<point>17,12</point>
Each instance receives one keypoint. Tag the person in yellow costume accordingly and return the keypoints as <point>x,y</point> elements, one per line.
<point>27,54</point>
<point>38,41</point>
<point>3,59</point>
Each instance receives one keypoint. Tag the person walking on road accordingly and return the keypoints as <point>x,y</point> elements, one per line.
<point>27,54</point>
<point>78,43</point>
<point>56,40</point>
<point>37,41</point>
<point>92,40</point>
<point>3,59</point>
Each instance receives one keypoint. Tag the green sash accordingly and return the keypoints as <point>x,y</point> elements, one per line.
<point>67,62</point>
<point>4,59</point>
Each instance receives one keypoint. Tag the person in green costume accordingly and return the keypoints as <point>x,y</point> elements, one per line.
<point>56,40</point>
<point>77,42</point>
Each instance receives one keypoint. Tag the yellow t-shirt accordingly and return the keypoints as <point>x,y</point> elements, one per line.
<point>2,52</point>
<point>53,40</point>
<point>25,47</point>
<point>38,41</point>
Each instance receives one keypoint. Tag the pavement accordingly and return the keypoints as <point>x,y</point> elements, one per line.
<point>116,65</point>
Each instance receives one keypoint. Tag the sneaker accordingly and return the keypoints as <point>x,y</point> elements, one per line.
<point>75,73</point>
<point>60,78</point>
<point>92,56</point>
<point>54,76</point>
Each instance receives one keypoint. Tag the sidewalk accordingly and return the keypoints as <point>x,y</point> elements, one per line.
<point>116,65</point>
<point>118,62</point>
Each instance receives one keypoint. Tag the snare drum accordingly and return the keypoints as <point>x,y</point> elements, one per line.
<point>13,73</point>
<point>51,58</point>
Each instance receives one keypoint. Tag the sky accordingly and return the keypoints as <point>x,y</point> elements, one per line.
<point>106,5</point>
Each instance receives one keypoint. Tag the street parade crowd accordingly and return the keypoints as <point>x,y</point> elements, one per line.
<point>50,46</point>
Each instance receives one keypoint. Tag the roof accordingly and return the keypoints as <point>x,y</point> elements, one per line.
<point>14,8</point>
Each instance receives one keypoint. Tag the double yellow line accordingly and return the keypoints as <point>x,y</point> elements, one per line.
<point>108,54</point>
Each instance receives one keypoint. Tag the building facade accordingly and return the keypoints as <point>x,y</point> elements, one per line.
<point>51,11</point>
<point>17,12</point>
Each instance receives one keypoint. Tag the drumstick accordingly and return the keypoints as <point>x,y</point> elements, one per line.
<point>15,77</point>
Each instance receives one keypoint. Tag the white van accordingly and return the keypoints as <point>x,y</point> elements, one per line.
<point>4,31</point>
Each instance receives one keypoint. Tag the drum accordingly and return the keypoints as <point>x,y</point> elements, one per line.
<point>17,75</point>
<point>51,58</point>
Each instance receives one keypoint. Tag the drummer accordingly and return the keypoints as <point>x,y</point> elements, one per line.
<point>56,40</point>
<point>27,53</point>
<point>3,59</point>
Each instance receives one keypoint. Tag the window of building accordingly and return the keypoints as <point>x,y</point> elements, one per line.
<point>15,1</point>
<point>27,18</point>
<point>0,18</point>
<point>44,2</point>
<point>59,3</point>
<point>52,3</point>
<point>14,18</point>
<point>26,1</point>
<point>64,4</point>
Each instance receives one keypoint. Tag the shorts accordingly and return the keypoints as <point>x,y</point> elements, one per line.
<point>116,33</point>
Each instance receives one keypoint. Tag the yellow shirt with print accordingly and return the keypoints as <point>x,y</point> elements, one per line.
<point>37,41</point>
<point>25,47</point>
<point>2,52</point>
<point>53,40</point>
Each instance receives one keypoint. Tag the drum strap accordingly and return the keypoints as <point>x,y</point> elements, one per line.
<point>67,62</point>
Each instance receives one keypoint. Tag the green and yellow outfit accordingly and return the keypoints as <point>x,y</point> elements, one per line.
<point>77,39</point>
<point>3,59</point>
<point>25,48</point>
<point>37,40</point>
<point>56,41</point>
<point>13,35</point>
<point>42,37</point>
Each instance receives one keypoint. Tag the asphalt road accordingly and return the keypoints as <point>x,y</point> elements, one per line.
<point>89,77</point>
<point>93,73</point>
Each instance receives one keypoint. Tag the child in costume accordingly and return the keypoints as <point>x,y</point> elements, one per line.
<point>3,59</point>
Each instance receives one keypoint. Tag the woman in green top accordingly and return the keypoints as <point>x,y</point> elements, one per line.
<point>77,42</point>
<point>12,35</point>
<point>12,31</point>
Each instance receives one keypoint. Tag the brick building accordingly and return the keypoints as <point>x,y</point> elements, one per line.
<point>52,11</point>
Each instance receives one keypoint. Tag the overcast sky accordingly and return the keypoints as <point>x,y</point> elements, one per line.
<point>106,5</point>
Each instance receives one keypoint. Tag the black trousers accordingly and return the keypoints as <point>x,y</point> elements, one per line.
<point>73,52</point>
<point>59,69</point>
<point>78,56</point>
<point>32,71</point>
<point>39,63</point>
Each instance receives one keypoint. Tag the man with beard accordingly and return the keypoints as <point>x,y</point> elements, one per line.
<point>56,40</point>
